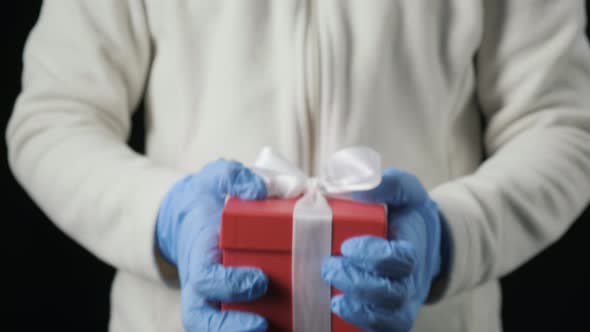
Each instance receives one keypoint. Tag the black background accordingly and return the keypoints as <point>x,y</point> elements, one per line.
<point>51,283</point>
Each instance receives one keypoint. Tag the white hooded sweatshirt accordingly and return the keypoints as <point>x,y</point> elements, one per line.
<point>486,101</point>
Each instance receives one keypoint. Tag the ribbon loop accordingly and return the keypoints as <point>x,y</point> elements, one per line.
<point>282,178</point>
<point>351,169</point>
<point>348,170</point>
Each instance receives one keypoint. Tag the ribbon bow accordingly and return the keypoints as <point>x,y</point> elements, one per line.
<point>348,170</point>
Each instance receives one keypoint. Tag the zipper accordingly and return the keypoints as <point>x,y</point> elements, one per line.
<point>313,79</point>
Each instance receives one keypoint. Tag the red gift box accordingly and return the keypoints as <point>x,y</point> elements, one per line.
<point>258,233</point>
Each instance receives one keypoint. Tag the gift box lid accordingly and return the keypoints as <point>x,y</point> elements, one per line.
<point>267,224</point>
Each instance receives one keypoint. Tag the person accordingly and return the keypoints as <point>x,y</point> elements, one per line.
<point>480,109</point>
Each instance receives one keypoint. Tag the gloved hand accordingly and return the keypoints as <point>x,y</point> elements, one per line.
<point>386,281</point>
<point>187,232</point>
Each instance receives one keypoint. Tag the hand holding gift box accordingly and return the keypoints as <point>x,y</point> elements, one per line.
<point>385,282</point>
<point>187,233</point>
<point>289,238</point>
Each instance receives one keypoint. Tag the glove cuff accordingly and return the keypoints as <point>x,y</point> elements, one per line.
<point>440,281</point>
<point>166,229</point>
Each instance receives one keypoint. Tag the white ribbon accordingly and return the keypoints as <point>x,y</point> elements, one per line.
<point>348,170</point>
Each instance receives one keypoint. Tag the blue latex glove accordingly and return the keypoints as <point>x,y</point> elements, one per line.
<point>187,232</point>
<point>386,281</point>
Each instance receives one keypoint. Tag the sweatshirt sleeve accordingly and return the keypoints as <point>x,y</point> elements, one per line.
<point>85,67</point>
<point>533,76</point>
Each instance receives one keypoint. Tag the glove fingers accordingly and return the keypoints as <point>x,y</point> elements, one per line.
<point>369,317</point>
<point>234,179</point>
<point>363,285</point>
<point>394,259</point>
<point>210,319</point>
<point>199,251</point>
<point>397,188</point>
<point>200,314</point>
<point>230,284</point>
<point>248,185</point>
<point>227,177</point>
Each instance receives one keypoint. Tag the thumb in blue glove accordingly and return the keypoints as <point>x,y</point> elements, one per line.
<point>385,282</point>
<point>187,232</point>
